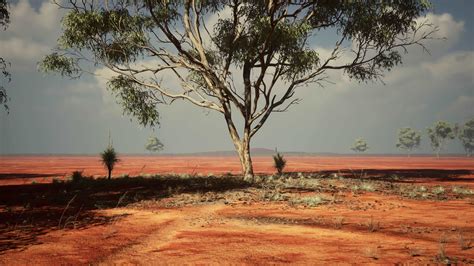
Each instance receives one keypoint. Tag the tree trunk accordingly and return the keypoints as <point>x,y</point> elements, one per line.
<point>242,146</point>
<point>246,160</point>
<point>110,173</point>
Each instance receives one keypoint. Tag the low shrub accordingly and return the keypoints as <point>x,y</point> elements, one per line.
<point>279,163</point>
<point>438,191</point>
<point>310,201</point>
<point>77,176</point>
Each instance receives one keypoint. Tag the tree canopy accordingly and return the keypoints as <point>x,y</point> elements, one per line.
<point>154,144</point>
<point>466,136</point>
<point>237,57</point>
<point>360,145</point>
<point>439,133</point>
<point>408,139</point>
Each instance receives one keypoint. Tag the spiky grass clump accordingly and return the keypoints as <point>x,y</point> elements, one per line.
<point>109,159</point>
<point>279,163</point>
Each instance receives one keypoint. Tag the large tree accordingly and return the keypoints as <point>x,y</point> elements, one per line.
<point>5,75</point>
<point>240,58</point>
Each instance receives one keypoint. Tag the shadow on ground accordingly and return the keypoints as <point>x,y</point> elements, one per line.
<point>23,175</point>
<point>29,211</point>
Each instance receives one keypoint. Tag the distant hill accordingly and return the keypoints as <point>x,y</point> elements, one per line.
<point>253,151</point>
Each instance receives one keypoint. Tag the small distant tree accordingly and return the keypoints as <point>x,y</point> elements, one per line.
<point>408,139</point>
<point>360,145</point>
<point>465,134</point>
<point>439,134</point>
<point>154,144</point>
<point>279,162</point>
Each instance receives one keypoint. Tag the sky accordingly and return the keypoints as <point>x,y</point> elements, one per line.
<point>50,114</point>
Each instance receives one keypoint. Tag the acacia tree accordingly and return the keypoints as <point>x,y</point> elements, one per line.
<point>4,73</point>
<point>408,139</point>
<point>439,134</point>
<point>248,64</point>
<point>360,145</point>
<point>465,133</point>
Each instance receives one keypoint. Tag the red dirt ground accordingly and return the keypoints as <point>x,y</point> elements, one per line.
<point>408,231</point>
<point>25,169</point>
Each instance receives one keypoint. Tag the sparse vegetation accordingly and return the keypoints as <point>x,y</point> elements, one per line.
<point>367,187</point>
<point>373,226</point>
<point>279,163</point>
<point>462,191</point>
<point>464,243</point>
<point>312,201</point>
<point>442,257</point>
<point>438,191</point>
<point>324,191</point>
<point>76,176</point>
<point>109,159</point>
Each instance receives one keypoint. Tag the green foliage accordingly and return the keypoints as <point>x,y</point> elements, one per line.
<point>4,72</point>
<point>109,158</point>
<point>466,136</point>
<point>439,190</point>
<point>360,145</point>
<point>438,134</point>
<point>136,100</point>
<point>408,139</point>
<point>62,64</point>
<point>113,36</point>
<point>117,34</point>
<point>312,201</point>
<point>144,42</point>
<point>4,13</point>
<point>154,144</point>
<point>279,163</point>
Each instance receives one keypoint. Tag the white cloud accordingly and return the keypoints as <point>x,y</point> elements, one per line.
<point>22,52</point>
<point>448,27</point>
<point>32,33</point>
<point>459,63</point>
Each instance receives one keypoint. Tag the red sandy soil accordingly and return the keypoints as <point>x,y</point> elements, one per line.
<point>248,232</point>
<point>409,232</point>
<point>25,169</point>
